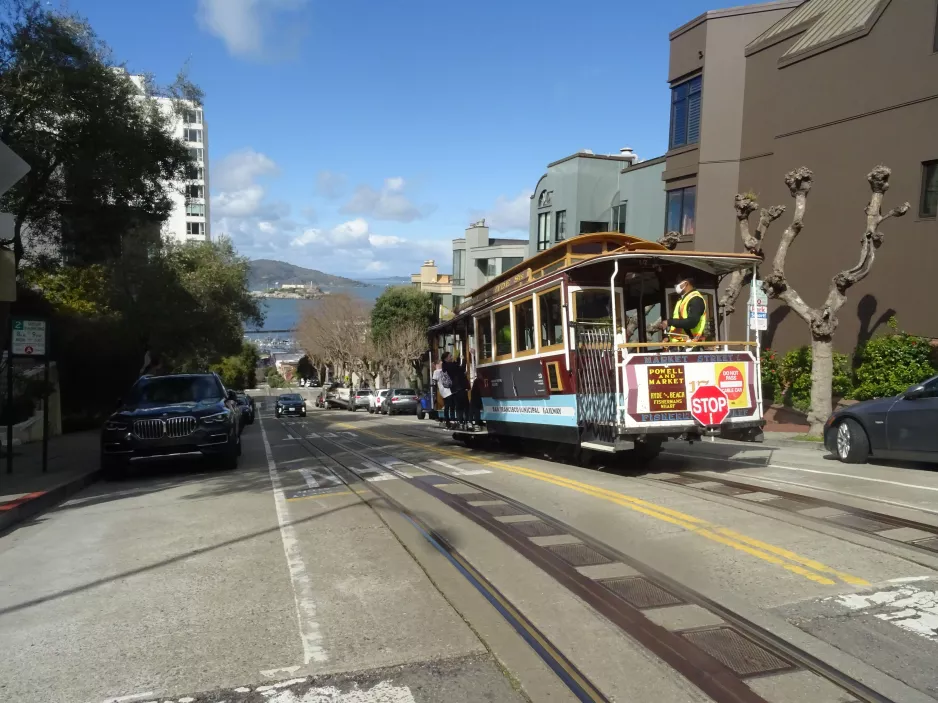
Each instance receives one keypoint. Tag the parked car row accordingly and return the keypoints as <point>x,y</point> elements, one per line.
<point>395,401</point>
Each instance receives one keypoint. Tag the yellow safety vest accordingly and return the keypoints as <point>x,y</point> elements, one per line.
<point>680,313</point>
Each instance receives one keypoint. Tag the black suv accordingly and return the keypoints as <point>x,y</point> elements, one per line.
<point>172,415</point>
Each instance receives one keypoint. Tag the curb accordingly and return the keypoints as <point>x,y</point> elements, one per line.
<point>35,503</point>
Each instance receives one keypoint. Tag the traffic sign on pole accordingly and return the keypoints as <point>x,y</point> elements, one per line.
<point>29,337</point>
<point>709,406</point>
<point>758,307</point>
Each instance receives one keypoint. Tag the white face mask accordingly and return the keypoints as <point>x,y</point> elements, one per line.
<point>679,288</point>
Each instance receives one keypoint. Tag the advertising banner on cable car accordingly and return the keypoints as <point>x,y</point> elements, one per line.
<point>658,388</point>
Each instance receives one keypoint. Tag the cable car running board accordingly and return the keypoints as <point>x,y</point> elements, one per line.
<point>598,447</point>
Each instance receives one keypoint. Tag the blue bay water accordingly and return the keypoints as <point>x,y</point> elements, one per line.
<point>284,314</point>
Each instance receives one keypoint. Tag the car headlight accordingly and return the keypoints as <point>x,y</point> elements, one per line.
<point>116,426</point>
<point>217,419</point>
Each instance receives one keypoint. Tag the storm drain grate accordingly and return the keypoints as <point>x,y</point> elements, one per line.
<point>728,490</point>
<point>578,554</point>
<point>536,528</point>
<point>785,504</point>
<point>736,652</point>
<point>930,543</point>
<point>501,509</point>
<point>640,592</point>
<point>858,522</point>
<point>475,496</point>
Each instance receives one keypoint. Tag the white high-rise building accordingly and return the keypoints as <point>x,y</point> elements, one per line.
<point>190,219</point>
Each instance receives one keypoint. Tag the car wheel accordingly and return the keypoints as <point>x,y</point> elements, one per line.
<point>853,446</point>
<point>421,414</point>
<point>114,468</point>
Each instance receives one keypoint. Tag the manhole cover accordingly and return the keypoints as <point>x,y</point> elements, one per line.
<point>785,504</point>
<point>930,543</point>
<point>736,652</point>
<point>858,522</point>
<point>501,509</point>
<point>536,528</point>
<point>578,554</point>
<point>640,592</point>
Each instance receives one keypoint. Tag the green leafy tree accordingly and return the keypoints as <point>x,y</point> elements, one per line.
<point>399,306</point>
<point>239,371</point>
<point>100,148</point>
<point>796,372</point>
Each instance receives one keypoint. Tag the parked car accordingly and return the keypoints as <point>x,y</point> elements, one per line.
<point>374,405</point>
<point>352,399</point>
<point>400,400</point>
<point>903,427</point>
<point>170,416</point>
<point>246,408</point>
<point>290,404</point>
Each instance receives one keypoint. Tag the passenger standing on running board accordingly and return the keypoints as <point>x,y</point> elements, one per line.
<point>446,390</point>
<point>453,370</point>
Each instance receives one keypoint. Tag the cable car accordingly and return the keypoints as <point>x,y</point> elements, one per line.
<point>563,352</point>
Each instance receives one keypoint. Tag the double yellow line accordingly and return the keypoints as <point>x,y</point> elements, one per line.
<point>803,566</point>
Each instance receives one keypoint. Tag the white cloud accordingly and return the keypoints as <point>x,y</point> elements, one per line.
<point>240,169</point>
<point>258,29</point>
<point>390,203</point>
<point>376,266</point>
<point>384,241</point>
<point>330,184</point>
<point>509,213</point>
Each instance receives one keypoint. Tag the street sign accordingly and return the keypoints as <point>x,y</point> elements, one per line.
<point>758,307</point>
<point>12,168</point>
<point>29,337</point>
<point>709,406</point>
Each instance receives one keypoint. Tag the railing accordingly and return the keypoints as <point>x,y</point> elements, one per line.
<point>639,347</point>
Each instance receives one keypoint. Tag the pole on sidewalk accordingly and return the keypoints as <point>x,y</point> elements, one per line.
<point>10,398</point>
<point>45,409</point>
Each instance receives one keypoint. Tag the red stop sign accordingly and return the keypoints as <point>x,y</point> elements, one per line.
<point>709,405</point>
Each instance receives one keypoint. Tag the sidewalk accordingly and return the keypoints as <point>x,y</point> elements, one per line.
<point>74,462</point>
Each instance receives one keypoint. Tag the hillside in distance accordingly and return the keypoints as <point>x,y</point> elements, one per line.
<point>265,272</point>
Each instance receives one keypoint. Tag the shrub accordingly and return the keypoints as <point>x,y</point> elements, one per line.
<point>772,384</point>
<point>796,375</point>
<point>890,363</point>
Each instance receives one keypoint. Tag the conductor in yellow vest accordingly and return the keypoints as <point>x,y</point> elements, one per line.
<point>688,322</point>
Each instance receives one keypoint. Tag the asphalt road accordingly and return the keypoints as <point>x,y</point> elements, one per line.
<point>339,563</point>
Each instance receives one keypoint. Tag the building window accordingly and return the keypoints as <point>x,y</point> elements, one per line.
<point>591,227</point>
<point>503,333</point>
<point>194,117</point>
<point>560,233</point>
<point>457,301</point>
<point>543,200</point>
<point>459,261</point>
<point>195,209</point>
<point>524,326</point>
<point>195,191</point>
<point>543,231</point>
<point>192,135</point>
<point>682,211</point>
<point>685,113</point>
<point>929,202</point>
<point>549,307</point>
<point>509,262</point>
<point>195,228</point>
<point>195,153</point>
<point>618,217</point>
<point>196,173</point>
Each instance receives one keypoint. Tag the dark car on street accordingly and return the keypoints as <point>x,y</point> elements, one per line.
<point>400,400</point>
<point>173,415</point>
<point>291,404</point>
<point>246,406</point>
<point>903,427</point>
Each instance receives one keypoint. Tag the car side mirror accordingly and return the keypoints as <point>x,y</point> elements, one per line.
<point>232,396</point>
<point>914,392</point>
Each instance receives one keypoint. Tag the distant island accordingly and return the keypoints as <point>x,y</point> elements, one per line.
<point>266,274</point>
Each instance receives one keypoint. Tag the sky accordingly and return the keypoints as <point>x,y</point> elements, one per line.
<point>360,137</point>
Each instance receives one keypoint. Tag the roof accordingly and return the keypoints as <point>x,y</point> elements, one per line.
<point>587,155</point>
<point>822,24</point>
<point>733,12</point>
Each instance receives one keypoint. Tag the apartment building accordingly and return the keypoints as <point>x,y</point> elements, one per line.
<point>190,219</point>
<point>478,258</point>
<point>438,285</point>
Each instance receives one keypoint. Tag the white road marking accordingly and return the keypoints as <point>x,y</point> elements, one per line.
<point>131,697</point>
<point>329,435</point>
<point>310,635</point>
<point>911,579</point>
<point>312,435</point>
<point>384,692</point>
<point>461,472</point>
<point>290,438</point>
<point>911,608</point>
<point>310,478</point>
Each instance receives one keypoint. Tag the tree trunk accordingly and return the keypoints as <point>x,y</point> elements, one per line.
<point>822,379</point>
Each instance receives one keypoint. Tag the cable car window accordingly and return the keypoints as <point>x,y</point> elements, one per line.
<point>503,333</point>
<point>551,312</point>
<point>524,326</point>
<point>485,339</point>
<point>594,306</point>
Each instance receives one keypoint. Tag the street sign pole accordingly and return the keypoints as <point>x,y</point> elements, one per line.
<point>10,399</point>
<point>45,408</point>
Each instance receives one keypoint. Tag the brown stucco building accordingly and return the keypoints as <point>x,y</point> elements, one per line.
<point>836,85</point>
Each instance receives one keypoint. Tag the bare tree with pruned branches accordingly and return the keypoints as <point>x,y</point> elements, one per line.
<point>822,321</point>
<point>335,331</point>
<point>404,345</point>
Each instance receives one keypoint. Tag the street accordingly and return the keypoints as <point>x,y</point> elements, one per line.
<point>353,557</point>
